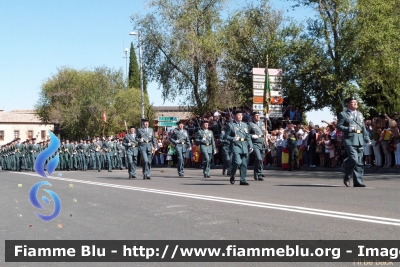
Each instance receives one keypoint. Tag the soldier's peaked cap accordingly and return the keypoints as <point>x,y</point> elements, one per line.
<point>347,100</point>
<point>144,120</point>
<point>237,111</point>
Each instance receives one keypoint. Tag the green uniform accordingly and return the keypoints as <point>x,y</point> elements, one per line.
<point>34,150</point>
<point>205,138</point>
<point>108,151</point>
<point>180,139</point>
<point>355,137</point>
<point>226,155</point>
<point>19,154</point>
<point>238,135</point>
<point>131,146</point>
<point>145,138</point>
<point>68,150</point>
<point>257,132</point>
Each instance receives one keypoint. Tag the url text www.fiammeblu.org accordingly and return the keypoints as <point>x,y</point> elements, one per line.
<point>233,251</point>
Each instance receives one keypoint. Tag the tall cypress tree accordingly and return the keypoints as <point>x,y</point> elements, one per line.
<point>134,73</point>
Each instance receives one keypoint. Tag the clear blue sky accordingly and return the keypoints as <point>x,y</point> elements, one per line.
<point>40,36</point>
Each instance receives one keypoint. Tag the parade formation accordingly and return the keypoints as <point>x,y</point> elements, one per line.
<point>239,139</point>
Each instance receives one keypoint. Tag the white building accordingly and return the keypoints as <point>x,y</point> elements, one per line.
<point>24,124</point>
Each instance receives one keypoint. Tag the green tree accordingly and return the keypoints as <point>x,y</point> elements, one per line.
<point>379,49</point>
<point>256,30</point>
<point>335,30</point>
<point>181,49</point>
<point>134,73</point>
<point>77,99</point>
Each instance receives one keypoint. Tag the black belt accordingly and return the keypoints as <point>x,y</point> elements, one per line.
<point>357,131</point>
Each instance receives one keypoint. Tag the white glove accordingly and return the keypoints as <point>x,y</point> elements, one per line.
<point>235,139</point>
<point>251,150</point>
<point>351,128</point>
<point>129,144</point>
<point>215,152</point>
<point>204,139</point>
<point>190,148</point>
<point>155,149</point>
<point>254,136</point>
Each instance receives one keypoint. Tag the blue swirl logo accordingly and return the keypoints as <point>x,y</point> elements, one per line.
<point>35,202</point>
<point>39,168</point>
<point>45,154</point>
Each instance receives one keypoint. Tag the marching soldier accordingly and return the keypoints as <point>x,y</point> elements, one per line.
<point>68,153</point>
<point>205,139</point>
<point>131,146</point>
<point>257,132</point>
<point>94,148</point>
<point>76,155</point>
<point>237,134</point>
<point>351,123</point>
<point>81,155</point>
<point>123,155</point>
<point>99,153</point>
<point>108,152</point>
<point>147,142</point>
<point>226,154</point>
<point>118,157</point>
<point>33,152</point>
<point>180,139</point>
<point>19,154</point>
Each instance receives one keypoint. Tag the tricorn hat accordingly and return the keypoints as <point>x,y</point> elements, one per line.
<point>143,120</point>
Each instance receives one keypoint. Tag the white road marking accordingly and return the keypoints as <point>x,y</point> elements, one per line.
<point>319,212</point>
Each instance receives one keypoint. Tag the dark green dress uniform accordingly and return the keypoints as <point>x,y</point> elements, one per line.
<point>145,138</point>
<point>76,156</point>
<point>226,155</point>
<point>180,138</point>
<point>131,146</point>
<point>205,138</point>
<point>68,155</point>
<point>355,137</point>
<point>291,145</point>
<point>257,132</point>
<point>95,147</point>
<point>238,135</point>
<point>19,154</point>
<point>108,151</point>
<point>85,156</point>
<point>118,157</point>
<point>99,155</point>
<point>33,153</point>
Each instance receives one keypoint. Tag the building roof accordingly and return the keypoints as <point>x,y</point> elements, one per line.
<point>19,116</point>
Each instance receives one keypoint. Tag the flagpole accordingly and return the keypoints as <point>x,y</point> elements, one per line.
<point>266,99</point>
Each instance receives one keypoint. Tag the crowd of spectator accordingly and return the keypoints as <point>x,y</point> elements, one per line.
<point>319,145</point>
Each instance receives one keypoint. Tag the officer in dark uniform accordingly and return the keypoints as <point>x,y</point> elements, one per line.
<point>180,138</point>
<point>147,142</point>
<point>238,135</point>
<point>108,151</point>
<point>257,132</point>
<point>131,146</point>
<point>351,122</point>
<point>226,153</point>
<point>205,138</point>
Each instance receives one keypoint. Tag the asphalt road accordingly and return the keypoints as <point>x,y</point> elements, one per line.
<point>313,205</point>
